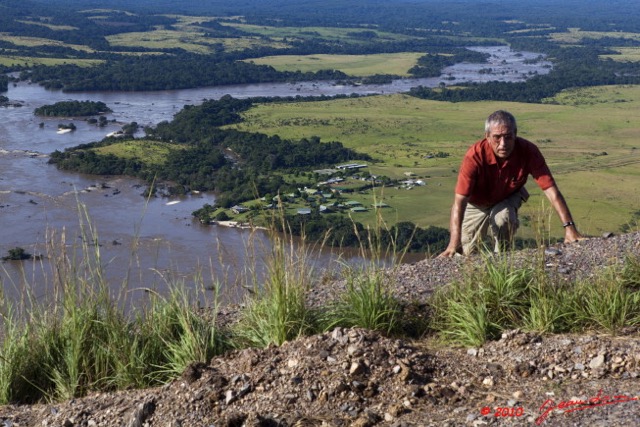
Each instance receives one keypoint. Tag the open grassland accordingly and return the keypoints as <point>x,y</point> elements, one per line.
<point>37,41</point>
<point>163,39</point>
<point>589,137</point>
<point>188,39</point>
<point>353,65</point>
<point>625,54</point>
<point>576,35</point>
<point>29,61</point>
<point>50,26</point>
<point>329,33</point>
<point>151,152</point>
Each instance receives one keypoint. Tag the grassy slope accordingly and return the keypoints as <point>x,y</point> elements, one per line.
<point>152,152</point>
<point>398,130</point>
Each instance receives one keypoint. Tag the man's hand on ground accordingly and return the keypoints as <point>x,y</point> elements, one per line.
<point>572,235</point>
<point>449,252</point>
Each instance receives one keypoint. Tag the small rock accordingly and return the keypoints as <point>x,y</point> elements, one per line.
<point>230,397</point>
<point>597,361</point>
<point>473,352</point>
<point>488,381</point>
<point>356,368</point>
<point>607,234</point>
<point>141,413</point>
<point>517,395</point>
<point>552,251</point>
<point>354,350</point>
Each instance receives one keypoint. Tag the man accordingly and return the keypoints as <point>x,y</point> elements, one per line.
<point>490,189</point>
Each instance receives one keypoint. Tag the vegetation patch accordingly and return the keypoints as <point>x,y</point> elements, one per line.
<point>27,61</point>
<point>163,39</point>
<point>37,41</point>
<point>50,26</point>
<point>151,152</point>
<point>353,65</point>
<point>72,108</point>
<point>329,33</point>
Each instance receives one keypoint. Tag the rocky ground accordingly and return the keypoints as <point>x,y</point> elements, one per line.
<point>353,377</point>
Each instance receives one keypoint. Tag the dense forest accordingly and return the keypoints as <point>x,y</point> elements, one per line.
<point>176,72</point>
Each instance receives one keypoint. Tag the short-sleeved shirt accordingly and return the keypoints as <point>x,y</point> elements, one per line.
<point>487,182</point>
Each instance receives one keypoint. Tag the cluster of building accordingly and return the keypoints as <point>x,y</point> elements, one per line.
<point>322,196</point>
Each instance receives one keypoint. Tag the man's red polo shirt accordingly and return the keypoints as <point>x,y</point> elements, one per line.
<point>487,182</point>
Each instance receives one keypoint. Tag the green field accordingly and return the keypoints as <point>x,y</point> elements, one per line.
<point>329,33</point>
<point>353,65</point>
<point>190,40</point>
<point>589,137</point>
<point>154,153</point>
<point>576,35</point>
<point>37,41</point>
<point>29,61</point>
<point>625,54</point>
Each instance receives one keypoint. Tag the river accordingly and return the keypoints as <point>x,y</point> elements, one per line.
<point>37,200</point>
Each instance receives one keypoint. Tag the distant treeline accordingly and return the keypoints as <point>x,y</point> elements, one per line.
<point>72,109</point>
<point>180,72</point>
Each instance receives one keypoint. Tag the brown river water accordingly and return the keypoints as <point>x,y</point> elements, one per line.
<point>147,243</point>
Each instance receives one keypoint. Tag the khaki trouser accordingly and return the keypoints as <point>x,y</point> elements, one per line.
<point>500,222</point>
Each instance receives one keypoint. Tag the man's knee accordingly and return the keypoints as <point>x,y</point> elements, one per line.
<point>506,219</point>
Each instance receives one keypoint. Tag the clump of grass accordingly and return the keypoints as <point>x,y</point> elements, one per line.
<point>495,297</point>
<point>492,297</point>
<point>551,307</point>
<point>15,356</point>
<point>175,334</point>
<point>368,302</point>
<point>275,309</point>
<point>611,300</point>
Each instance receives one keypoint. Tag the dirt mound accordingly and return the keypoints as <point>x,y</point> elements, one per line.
<point>354,377</point>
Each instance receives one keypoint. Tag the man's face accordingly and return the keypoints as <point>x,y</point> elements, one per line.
<point>502,139</point>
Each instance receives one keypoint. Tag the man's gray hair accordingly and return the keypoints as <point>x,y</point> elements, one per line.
<point>501,117</point>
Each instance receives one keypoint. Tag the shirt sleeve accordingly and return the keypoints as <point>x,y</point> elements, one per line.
<point>539,169</point>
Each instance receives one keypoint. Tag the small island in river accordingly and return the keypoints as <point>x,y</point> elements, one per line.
<point>72,109</point>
